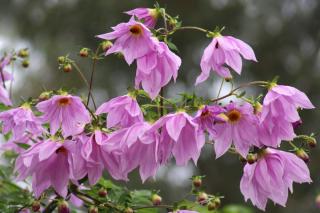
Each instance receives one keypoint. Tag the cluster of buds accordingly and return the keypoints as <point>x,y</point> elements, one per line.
<point>65,63</point>
<point>212,202</point>
<point>23,56</point>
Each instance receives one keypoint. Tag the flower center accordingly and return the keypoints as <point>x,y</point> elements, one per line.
<point>64,101</point>
<point>62,150</point>
<point>136,29</point>
<point>205,113</point>
<point>234,116</point>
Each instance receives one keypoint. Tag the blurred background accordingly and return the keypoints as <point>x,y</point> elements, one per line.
<point>284,34</point>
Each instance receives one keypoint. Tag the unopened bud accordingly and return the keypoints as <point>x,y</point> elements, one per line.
<point>35,206</point>
<point>197,181</point>
<point>318,201</point>
<point>214,204</point>
<point>251,158</point>
<point>84,52</point>
<point>257,108</point>
<point>128,210</point>
<point>63,207</point>
<point>67,68</point>
<point>202,198</point>
<point>93,209</point>
<point>106,45</point>
<point>312,142</point>
<point>303,155</point>
<point>44,96</point>
<point>23,53</point>
<point>25,63</point>
<point>102,192</point>
<point>156,199</point>
<point>61,59</point>
<point>228,79</point>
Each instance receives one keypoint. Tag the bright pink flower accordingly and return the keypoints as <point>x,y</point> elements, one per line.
<point>208,116</point>
<point>155,69</point>
<point>49,163</point>
<point>240,129</point>
<point>20,120</point>
<point>133,40</point>
<point>224,50</point>
<point>279,113</point>
<point>65,111</point>
<point>123,111</point>
<point>180,134</point>
<point>271,177</point>
<point>148,16</point>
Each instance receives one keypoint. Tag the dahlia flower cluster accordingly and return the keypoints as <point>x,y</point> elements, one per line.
<point>68,142</point>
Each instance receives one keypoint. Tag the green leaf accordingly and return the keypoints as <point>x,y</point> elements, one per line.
<point>236,209</point>
<point>23,145</point>
<point>172,46</point>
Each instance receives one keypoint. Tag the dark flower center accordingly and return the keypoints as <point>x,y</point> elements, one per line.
<point>62,150</point>
<point>64,101</point>
<point>234,116</point>
<point>136,29</point>
<point>205,113</point>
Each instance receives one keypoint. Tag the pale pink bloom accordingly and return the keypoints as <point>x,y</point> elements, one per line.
<point>49,163</point>
<point>279,113</point>
<point>123,111</point>
<point>239,129</point>
<point>272,176</point>
<point>65,111</point>
<point>19,121</point>
<point>181,136</point>
<point>148,16</point>
<point>155,69</point>
<point>13,143</point>
<point>132,39</point>
<point>4,96</point>
<point>4,75</point>
<point>222,51</point>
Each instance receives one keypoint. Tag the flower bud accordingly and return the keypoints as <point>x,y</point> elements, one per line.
<point>318,201</point>
<point>128,210</point>
<point>303,155</point>
<point>312,142</point>
<point>35,206</point>
<point>102,192</point>
<point>214,204</point>
<point>93,209</point>
<point>84,52</point>
<point>67,68</point>
<point>156,199</point>
<point>23,53</point>
<point>257,108</point>
<point>25,63</point>
<point>251,158</point>
<point>202,198</point>
<point>61,59</point>
<point>106,45</point>
<point>63,207</point>
<point>197,181</point>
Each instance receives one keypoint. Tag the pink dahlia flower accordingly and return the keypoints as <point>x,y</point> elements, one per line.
<point>181,135</point>
<point>272,177</point>
<point>49,163</point>
<point>65,111</point>
<point>240,129</point>
<point>133,40</point>
<point>148,16</point>
<point>13,143</point>
<point>155,69</point>
<point>123,111</point>
<point>224,50</point>
<point>208,116</point>
<point>280,113</point>
<point>20,120</point>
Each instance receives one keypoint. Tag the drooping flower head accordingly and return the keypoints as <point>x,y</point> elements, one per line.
<point>181,136</point>
<point>280,113</point>
<point>240,129</point>
<point>155,69</point>
<point>222,51</point>
<point>20,120</point>
<point>123,111</point>
<point>208,116</point>
<point>65,111</point>
<point>148,16</point>
<point>272,176</point>
<point>49,163</point>
<point>133,40</point>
